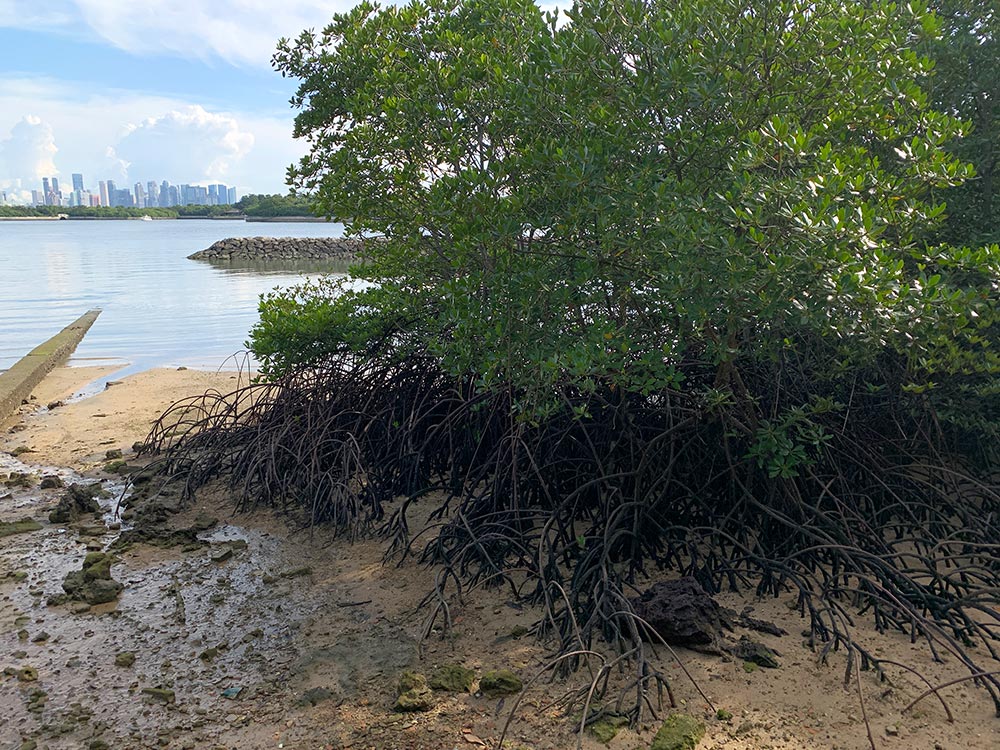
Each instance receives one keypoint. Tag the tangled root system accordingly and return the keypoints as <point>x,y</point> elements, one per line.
<point>888,519</point>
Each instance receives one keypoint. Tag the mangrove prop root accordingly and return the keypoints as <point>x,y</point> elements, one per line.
<point>886,519</point>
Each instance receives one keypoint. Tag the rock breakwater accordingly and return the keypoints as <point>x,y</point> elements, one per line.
<point>281,248</point>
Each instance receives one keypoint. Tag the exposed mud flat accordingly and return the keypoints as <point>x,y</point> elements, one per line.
<point>252,634</point>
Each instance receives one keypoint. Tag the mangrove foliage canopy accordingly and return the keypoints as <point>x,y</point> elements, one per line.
<point>661,286</point>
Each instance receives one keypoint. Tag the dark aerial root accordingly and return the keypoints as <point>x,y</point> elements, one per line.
<point>880,520</point>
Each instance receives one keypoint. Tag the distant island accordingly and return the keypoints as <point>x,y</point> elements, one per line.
<point>250,208</point>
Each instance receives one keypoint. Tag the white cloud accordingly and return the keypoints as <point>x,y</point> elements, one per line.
<point>188,141</point>
<point>27,155</point>
<point>242,32</point>
<point>130,136</point>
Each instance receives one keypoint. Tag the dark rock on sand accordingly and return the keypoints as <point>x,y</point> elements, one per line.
<point>77,500</point>
<point>93,582</point>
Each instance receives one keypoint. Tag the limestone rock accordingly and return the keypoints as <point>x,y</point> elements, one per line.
<point>93,582</point>
<point>77,500</point>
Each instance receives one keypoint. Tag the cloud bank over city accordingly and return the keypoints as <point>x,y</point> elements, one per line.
<point>134,92</point>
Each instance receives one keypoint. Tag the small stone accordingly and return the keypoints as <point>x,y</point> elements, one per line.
<point>605,728</point>
<point>40,638</point>
<point>453,678</point>
<point>892,730</point>
<point>297,572</point>
<point>209,654</point>
<point>679,732</point>
<point>118,466</point>
<point>160,694</point>
<point>204,522</point>
<point>314,696</point>
<point>113,453</point>
<point>418,699</point>
<point>50,482</point>
<point>499,682</point>
<point>222,555</point>
<point>54,405</point>
<point>27,674</point>
<point>757,653</point>
<point>749,667</point>
<point>410,680</point>
<point>125,659</point>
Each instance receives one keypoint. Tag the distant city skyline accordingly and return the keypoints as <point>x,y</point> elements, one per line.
<point>132,91</point>
<point>154,194</point>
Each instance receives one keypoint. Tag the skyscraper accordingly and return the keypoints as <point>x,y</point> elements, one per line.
<point>77,181</point>
<point>103,187</point>
<point>140,195</point>
<point>111,193</point>
<point>152,194</point>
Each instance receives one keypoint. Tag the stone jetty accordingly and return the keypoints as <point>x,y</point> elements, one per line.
<point>281,248</point>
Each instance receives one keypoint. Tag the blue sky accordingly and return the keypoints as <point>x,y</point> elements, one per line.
<point>136,90</point>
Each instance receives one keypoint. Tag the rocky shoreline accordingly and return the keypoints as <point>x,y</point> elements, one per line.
<point>281,248</point>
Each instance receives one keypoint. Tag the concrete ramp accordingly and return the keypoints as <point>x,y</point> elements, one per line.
<point>17,383</point>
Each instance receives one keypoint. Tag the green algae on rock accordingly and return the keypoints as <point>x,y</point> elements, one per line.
<point>93,582</point>
<point>679,732</point>
<point>453,678</point>
<point>605,728</point>
<point>500,682</point>
<point>24,526</point>
<point>413,693</point>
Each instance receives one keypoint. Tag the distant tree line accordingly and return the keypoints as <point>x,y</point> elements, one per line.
<point>275,205</point>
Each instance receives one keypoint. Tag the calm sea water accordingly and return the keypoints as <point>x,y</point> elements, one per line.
<point>158,307</point>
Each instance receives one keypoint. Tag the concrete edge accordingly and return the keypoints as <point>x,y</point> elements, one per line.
<point>17,383</point>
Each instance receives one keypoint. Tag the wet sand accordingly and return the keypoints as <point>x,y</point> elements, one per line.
<point>262,635</point>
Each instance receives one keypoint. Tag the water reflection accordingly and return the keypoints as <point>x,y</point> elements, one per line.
<point>159,308</point>
<point>278,267</point>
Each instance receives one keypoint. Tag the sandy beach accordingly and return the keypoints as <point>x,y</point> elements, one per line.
<point>246,631</point>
